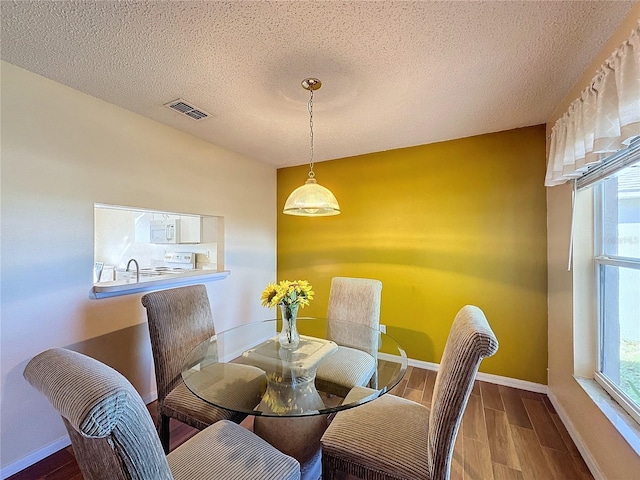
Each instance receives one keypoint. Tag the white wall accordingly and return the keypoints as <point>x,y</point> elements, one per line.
<point>610,453</point>
<point>63,151</point>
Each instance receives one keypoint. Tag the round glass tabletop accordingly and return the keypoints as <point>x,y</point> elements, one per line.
<point>245,369</point>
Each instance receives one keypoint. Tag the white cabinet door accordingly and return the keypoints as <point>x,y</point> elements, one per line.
<point>190,229</point>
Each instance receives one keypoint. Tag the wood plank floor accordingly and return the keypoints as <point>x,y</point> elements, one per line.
<point>506,434</point>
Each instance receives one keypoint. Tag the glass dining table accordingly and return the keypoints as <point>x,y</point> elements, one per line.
<point>292,391</point>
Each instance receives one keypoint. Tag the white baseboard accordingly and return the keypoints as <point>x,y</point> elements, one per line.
<point>577,439</point>
<point>151,397</point>
<point>15,467</point>
<point>62,442</point>
<point>486,377</point>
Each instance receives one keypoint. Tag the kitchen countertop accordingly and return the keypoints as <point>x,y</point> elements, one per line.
<point>130,285</point>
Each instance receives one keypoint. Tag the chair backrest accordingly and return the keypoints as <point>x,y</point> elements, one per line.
<point>354,300</point>
<point>470,340</point>
<point>179,319</point>
<point>110,427</point>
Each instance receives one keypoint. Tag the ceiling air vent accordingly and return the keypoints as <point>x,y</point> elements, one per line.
<point>187,109</point>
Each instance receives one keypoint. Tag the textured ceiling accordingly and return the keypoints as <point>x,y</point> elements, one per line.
<point>394,74</point>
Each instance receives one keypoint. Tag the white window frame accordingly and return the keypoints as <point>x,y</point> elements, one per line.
<point>600,262</point>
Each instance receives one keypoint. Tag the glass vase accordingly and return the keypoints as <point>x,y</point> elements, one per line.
<point>289,337</point>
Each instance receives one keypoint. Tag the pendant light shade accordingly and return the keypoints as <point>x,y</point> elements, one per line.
<point>311,199</point>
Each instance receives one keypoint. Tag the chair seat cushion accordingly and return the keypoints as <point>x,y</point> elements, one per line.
<point>184,406</point>
<point>333,375</point>
<point>232,384</point>
<point>228,451</point>
<point>388,434</point>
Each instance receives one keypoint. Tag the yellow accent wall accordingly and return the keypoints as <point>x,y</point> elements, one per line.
<point>441,225</point>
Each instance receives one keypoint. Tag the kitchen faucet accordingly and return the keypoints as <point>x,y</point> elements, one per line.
<point>137,268</point>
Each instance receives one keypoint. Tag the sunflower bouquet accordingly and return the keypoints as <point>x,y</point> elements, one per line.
<point>287,293</point>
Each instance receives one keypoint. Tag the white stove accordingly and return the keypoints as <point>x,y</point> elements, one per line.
<point>174,262</point>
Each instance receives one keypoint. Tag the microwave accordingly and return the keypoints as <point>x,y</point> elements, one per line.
<point>165,231</point>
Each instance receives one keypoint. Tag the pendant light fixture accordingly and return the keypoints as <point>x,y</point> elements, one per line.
<point>311,199</point>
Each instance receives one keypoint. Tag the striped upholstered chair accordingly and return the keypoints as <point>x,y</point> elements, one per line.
<point>179,319</point>
<point>356,301</point>
<point>395,438</point>
<point>114,438</point>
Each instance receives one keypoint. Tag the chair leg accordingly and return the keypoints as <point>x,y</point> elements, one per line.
<point>330,472</point>
<point>327,474</point>
<point>238,418</point>
<point>163,432</point>
<point>373,382</point>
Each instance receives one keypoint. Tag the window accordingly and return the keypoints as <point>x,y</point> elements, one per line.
<point>617,259</point>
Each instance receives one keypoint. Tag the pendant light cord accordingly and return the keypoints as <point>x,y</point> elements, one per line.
<point>310,108</point>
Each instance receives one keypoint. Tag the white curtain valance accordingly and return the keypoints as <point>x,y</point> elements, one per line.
<point>603,120</point>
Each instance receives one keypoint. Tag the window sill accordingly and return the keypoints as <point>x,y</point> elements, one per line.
<point>621,420</point>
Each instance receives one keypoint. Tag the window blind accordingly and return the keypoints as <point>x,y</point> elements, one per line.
<point>611,165</point>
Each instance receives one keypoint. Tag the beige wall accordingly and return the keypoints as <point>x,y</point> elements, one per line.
<point>63,151</point>
<point>612,455</point>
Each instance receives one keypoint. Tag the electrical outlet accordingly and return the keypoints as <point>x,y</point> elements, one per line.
<point>383,328</point>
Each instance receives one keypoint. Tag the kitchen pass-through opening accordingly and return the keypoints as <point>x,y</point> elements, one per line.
<point>156,243</point>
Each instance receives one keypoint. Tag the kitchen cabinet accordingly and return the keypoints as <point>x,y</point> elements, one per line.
<point>189,229</point>
<point>197,229</point>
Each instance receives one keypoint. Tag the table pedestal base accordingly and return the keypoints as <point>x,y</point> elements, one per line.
<point>298,437</point>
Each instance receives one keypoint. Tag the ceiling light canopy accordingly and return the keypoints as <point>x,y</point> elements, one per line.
<point>311,199</point>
